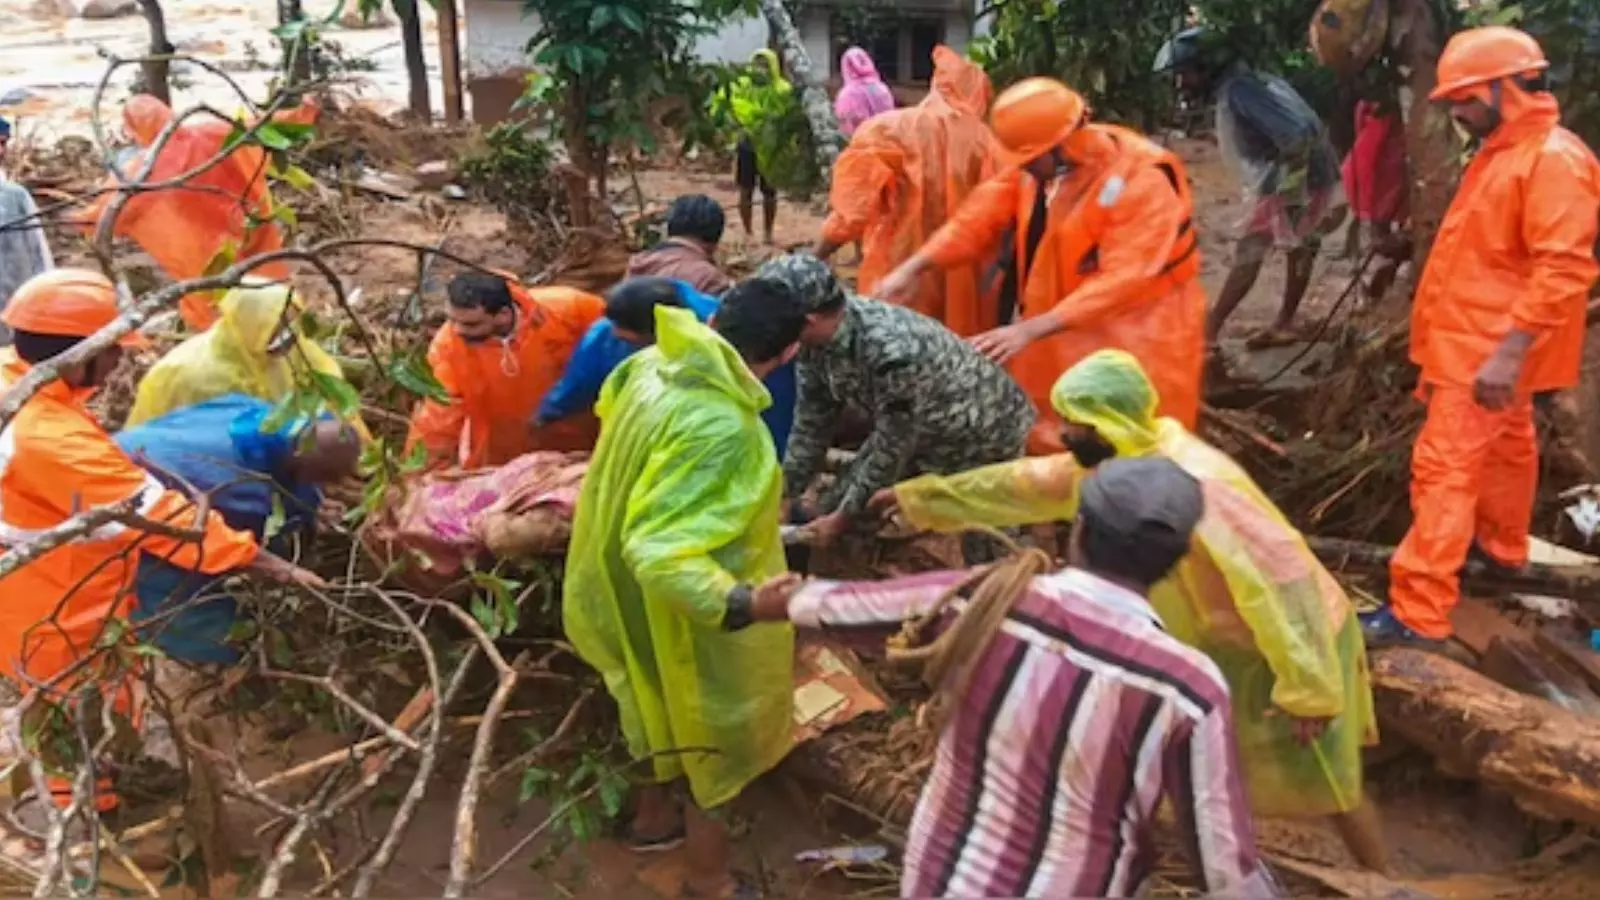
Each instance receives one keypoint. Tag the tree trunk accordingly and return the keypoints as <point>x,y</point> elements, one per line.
<point>813,97</point>
<point>416,62</point>
<point>296,53</point>
<point>156,71</point>
<point>1417,37</point>
<point>1546,758</point>
<point>450,61</point>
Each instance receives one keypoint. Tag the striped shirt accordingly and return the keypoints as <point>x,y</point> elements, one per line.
<point>1080,716</point>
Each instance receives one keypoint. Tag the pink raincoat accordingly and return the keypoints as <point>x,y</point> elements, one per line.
<point>864,94</point>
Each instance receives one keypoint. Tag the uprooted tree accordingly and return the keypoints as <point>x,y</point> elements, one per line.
<point>340,659</point>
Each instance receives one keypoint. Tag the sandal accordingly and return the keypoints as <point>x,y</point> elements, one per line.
<point>1271,337</point>
<point>671,840</point>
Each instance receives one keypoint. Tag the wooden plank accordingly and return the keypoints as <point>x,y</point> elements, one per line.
<point>1516,663</point>
<point>1478,622</point>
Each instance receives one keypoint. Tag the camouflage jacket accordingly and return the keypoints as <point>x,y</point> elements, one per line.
<point>935,403</point>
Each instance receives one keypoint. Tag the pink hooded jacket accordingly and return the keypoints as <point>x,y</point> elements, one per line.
<point>864,94</point>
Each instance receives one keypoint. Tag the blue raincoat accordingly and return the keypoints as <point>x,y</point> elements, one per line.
<point>208,445</point>
<point>602,350</point>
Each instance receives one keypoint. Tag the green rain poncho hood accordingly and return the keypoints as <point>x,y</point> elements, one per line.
<point>679,507</point>
<point>1250,594</point>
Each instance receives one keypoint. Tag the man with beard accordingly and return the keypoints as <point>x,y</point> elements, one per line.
<point>503,349</point>
<point>1249,593</point>
<point>1498,319</point>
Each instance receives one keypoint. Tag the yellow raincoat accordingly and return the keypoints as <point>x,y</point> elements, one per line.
<point>679,507</point>
<point>1251,595</point>
<point>230,358</point>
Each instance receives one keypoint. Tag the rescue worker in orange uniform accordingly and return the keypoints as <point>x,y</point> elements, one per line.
<point>503,349</point>
<point>57,462</point>
<point>1498,319</point>
<point>185,226</point>
<point>905,173</point>
<point>1105,252</point>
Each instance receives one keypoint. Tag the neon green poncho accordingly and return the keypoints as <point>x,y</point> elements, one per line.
<point>679,506</point>
<point>1251,594</point>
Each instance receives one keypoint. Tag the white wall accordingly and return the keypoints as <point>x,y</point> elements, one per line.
<point>814,28</point>
<point>498,35</point>
<point>733,42</point>
<point>497,38</point>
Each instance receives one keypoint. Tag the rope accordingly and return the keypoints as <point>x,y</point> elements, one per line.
<point>947,659</point>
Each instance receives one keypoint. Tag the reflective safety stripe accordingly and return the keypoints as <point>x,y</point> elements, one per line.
<point>146,496</point>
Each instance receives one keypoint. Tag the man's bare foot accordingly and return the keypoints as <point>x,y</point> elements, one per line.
<point>728,886</point>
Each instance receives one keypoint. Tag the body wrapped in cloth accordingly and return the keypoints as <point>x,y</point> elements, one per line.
<point>1250,594</point>
<point>437,522</point>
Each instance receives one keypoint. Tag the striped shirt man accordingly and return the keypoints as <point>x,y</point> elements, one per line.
<point>1081,715</point>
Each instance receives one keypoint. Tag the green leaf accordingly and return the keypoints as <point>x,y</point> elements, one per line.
<point>631,18</point>
<point>283,213</point>
<point>413,373</point>
<point>600,18</point>
<point>275,519</point>
<point>295,177</point>
<point>581,823</point>
<point>611,796</point>
<point>483,611</point>
<point>148,650</point>
<point>341,396</point>
<point>270,137</point>
<point>533,780</point>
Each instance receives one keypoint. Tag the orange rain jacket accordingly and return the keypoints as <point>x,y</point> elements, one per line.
<point>497,385</point>
<point>1516,250</point>
<point>56,460</point>
<point>184,227</point>
<point>906,172</point>
<point>1118,265</point>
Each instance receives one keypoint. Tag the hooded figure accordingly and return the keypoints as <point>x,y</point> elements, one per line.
<point>864,94</point>
<point>1498,318</point>
<point>254,349</point>
<point>677,516</point>
<point>1094,229</point>
<point>1250,593</point>
<point>903,175</point>
<point>186,226</point>
<point>759,100</point>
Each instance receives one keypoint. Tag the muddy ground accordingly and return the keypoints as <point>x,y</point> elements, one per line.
<point>1449,838</point>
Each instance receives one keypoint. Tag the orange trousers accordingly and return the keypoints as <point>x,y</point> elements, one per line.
<point>1473,476</point>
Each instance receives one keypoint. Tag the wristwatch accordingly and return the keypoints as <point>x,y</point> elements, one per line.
<point>738,616</point>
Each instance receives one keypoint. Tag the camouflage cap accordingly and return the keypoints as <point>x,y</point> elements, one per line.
<point>807,276</point>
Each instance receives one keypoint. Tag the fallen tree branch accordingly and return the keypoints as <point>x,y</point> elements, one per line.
<point>1577,582</point>
<point>1546,758</point>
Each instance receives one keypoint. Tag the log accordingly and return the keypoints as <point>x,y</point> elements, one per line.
<point>813,96</point>
<point>1545,758</point>
<point>1576,582</point>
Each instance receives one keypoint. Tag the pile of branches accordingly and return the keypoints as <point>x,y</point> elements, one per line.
<point>333,656</point>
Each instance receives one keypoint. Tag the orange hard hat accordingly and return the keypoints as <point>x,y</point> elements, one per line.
<point>1035,115</point>
<point>1481,55</point>
<point>66,303</point>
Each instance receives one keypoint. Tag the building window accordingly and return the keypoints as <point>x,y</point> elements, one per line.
<point>901,45</point>
<point>923,35</point>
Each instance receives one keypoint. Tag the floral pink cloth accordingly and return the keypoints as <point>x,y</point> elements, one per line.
<point>864,94</point>
<point>444,517</point>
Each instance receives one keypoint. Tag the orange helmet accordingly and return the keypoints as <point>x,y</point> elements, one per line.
<point>1035,115</point>
<point>1481,55</point>
<point>66,303</point>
